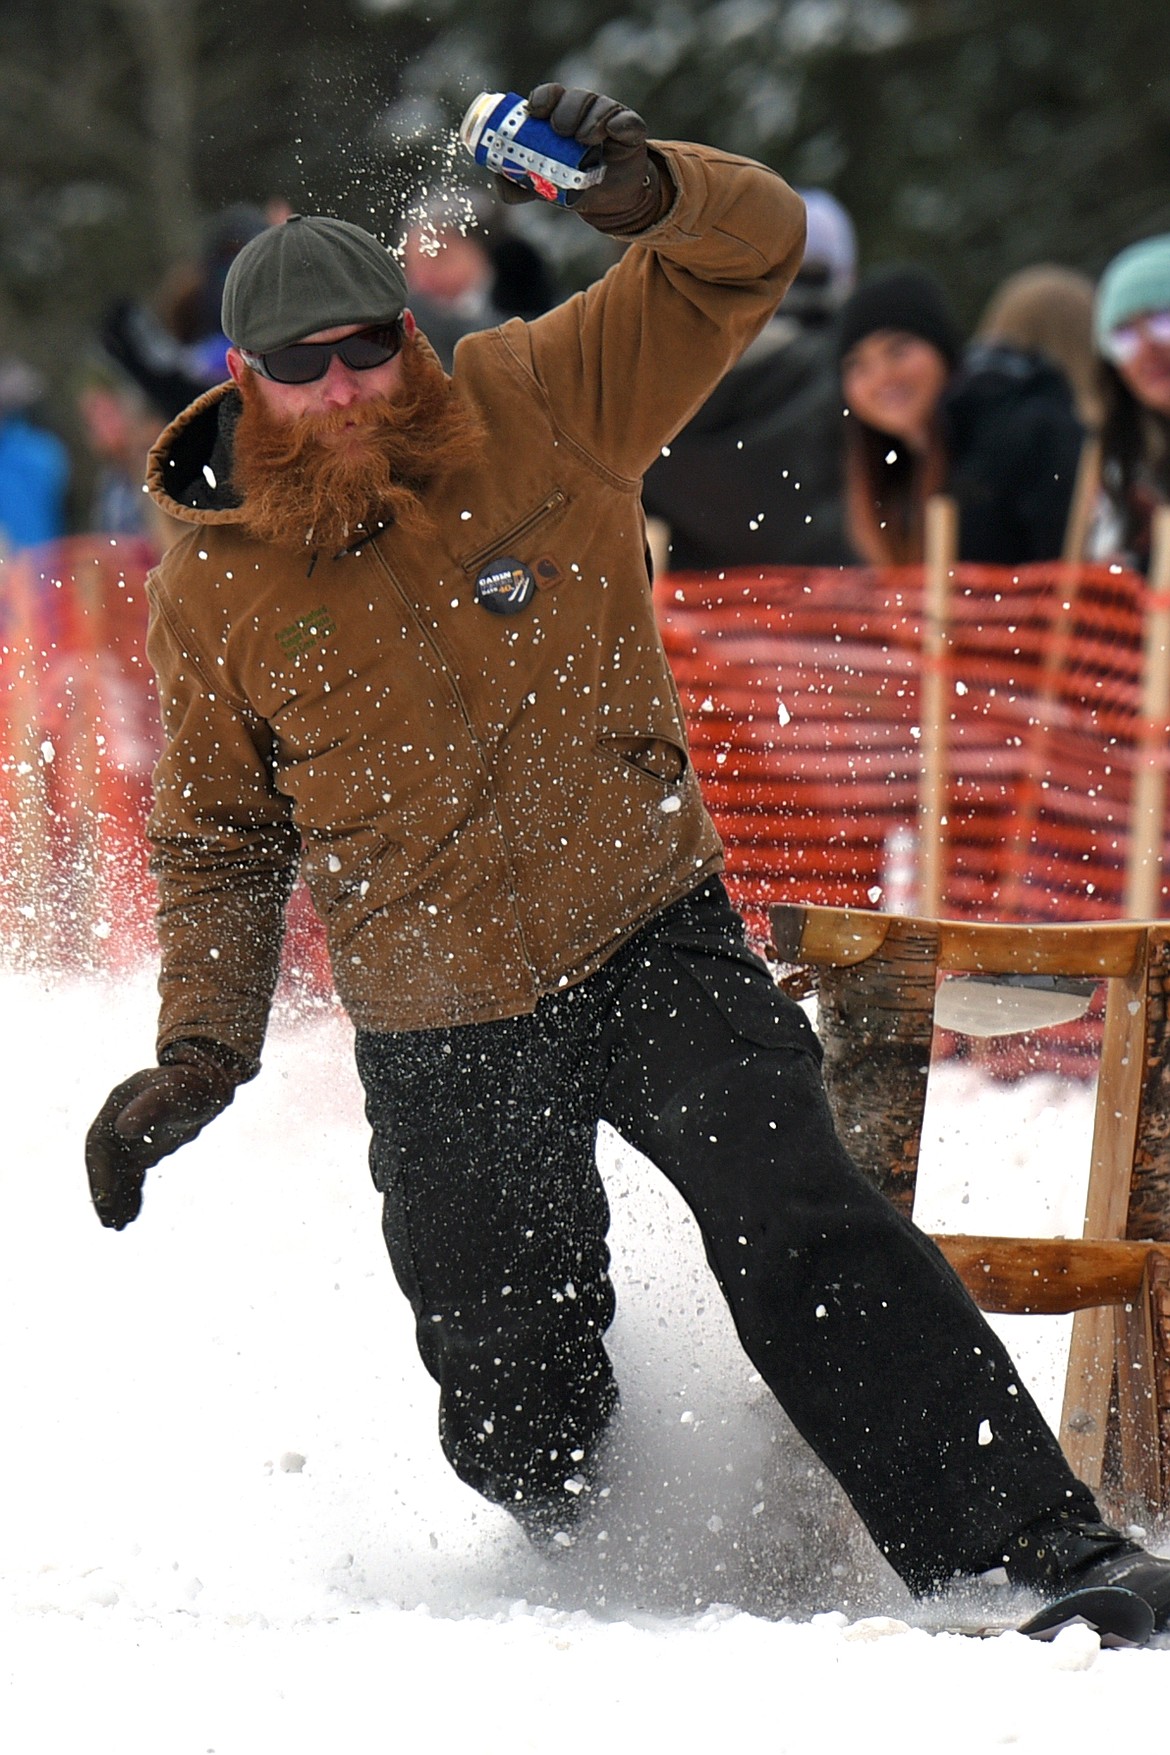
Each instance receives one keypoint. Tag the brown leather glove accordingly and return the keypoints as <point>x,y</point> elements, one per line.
<point>151,1114</point>
<point>634,192</point>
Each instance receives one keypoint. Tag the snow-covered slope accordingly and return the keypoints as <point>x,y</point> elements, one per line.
<point>227,1525</point>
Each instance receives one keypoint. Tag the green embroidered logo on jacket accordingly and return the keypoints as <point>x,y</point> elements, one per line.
<point>305,633</point>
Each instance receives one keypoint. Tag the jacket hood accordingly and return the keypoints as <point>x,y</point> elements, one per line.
<point>189,470</point>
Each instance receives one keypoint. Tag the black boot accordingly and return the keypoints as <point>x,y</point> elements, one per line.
<point>552,1522</point>
<point>1060,1554</point>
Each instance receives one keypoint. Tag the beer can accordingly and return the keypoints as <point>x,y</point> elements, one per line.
<point>499,133</point>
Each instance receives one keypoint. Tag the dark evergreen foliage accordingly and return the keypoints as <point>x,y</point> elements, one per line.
<point>972,136</point>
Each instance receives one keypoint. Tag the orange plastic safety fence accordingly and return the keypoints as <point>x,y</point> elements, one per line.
<point>803,695</point>
<point>79,736</point>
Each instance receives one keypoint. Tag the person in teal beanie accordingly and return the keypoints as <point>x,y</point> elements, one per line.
<point>1132,333</point>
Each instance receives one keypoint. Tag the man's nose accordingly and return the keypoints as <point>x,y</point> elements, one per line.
<point>338,387</point>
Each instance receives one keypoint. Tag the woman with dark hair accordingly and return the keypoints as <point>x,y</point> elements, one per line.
<point>1132,329</point>
<point>994,428</point>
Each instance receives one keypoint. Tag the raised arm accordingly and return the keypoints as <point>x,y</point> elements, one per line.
<point>713,243</point>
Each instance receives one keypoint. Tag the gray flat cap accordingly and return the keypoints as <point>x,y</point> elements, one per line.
<point>305,275</point>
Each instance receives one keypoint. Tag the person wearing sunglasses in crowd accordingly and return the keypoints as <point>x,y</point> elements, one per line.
<point>410,643</point>
<point>1132,329</point>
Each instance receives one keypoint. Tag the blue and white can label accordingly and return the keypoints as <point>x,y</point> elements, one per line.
<point>499,133</point>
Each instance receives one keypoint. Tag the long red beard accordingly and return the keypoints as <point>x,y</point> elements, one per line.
<point>320,480</point>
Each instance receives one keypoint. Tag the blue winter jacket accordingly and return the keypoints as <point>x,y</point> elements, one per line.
<point>34,473</point>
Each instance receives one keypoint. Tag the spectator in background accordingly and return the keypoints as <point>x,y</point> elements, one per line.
<point>121,425</point>
<point>1048,310</point>
<point>1132,324</point>
<point>190,300</point>
<point>996,430</point>
<point>34,464</point>
<point>467,270</point>
<point>174,349</point>
<point>755,478</point>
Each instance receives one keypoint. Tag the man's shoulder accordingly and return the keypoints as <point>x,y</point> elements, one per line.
<point>197,545</point>
<point>481,354</point>
<point>204,572</point>
<point>496,372</point>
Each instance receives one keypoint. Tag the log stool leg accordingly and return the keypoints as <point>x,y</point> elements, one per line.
<point>875,1019</point>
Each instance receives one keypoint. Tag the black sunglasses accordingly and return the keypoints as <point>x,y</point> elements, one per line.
<point>305,361</point>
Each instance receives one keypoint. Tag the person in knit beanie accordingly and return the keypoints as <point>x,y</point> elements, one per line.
<point>994,427</point>
<point>1131,326</point>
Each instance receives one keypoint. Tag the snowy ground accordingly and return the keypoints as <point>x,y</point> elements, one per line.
<point>228,1527</point>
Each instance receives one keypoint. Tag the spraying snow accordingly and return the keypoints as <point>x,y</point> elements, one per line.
<point>231,1528</point>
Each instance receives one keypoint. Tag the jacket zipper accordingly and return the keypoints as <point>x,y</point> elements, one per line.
<point>457,692</point>
<point>499,545</point>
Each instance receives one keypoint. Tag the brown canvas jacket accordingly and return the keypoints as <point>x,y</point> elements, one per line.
<point>484,806</point>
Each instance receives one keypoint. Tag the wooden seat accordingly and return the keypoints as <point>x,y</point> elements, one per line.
<point>877,980</point>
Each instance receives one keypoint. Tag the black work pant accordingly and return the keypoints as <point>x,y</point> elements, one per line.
<point>495,1219</point>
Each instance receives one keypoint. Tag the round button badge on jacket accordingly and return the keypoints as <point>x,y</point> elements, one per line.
<point>505,586</point>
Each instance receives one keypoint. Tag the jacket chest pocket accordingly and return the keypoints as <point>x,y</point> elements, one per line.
<point>520,544</point>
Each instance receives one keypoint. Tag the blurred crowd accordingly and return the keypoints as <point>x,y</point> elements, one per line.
<point>1049,426</point>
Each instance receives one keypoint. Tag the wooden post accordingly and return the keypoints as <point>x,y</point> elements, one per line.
<point>1088,1386</point>
<point>1086,488</point>
<point>877,986</point>
<point>1139,1434</point>
<point>1143,1365</point>
<point>1143,882</point>
<point>942,526</point>
<point>1159,1279</point>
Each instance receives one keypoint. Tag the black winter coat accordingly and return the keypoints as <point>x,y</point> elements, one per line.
<point>755,478</point>
<point>1014,441</point>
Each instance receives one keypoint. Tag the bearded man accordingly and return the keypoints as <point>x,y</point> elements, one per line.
<point>409,647</point>
<point>328,461</point>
